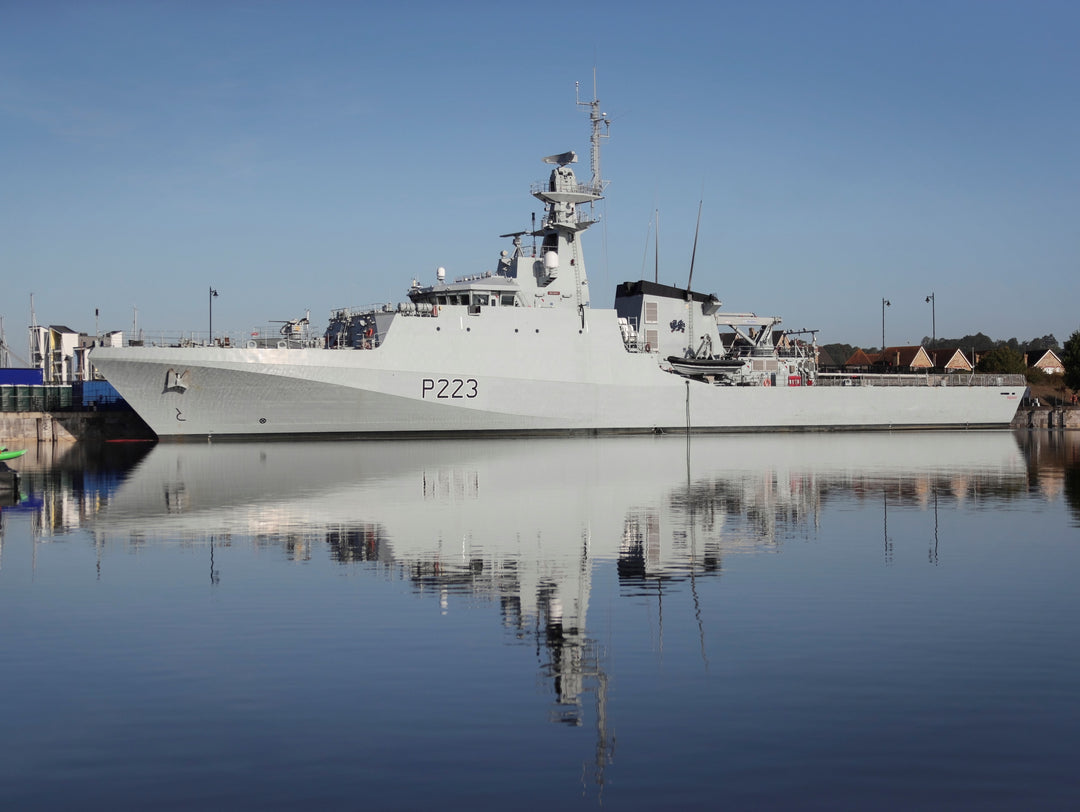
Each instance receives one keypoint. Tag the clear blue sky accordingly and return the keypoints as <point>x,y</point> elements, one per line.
<point>313,155</point>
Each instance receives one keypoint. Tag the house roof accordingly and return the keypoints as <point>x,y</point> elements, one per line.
<point>914,357</point>
<point>1048,360</point>
<point>824,359</point>
<point>859,358</point>
<point>950,358</point>
<point>911,357</point>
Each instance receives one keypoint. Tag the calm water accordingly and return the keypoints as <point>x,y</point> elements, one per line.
<point>788,622</point>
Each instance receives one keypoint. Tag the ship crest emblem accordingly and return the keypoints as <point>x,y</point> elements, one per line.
<point>176,381</point>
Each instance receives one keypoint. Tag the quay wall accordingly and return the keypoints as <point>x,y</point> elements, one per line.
<point>1043,418</point>
<point>70,427</point>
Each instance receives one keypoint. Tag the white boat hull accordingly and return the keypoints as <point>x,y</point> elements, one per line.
<point>503,371</point>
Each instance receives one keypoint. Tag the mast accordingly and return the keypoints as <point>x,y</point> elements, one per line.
<point>562,195</point>
<point>690,282</point>
<point>596,119</point>
<point>656,250</point>
<point>37,346</point>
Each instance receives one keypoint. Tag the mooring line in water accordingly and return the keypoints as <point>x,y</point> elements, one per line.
<point>688,409</point>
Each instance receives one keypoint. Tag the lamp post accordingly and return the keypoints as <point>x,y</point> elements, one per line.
<point>884,303</point>
<point>213,293</point>
<point>933,318</point>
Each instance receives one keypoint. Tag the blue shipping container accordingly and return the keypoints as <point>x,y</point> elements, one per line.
<point>14,376</point>
<point>100,393</point>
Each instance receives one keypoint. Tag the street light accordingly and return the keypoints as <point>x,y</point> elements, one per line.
<point>884,303</point>
<point>213,293</point>
<point>933,318</point>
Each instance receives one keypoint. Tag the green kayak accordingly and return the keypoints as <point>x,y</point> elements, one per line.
<point>10,455</point>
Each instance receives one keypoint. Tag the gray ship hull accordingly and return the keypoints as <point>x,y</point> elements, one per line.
<point>502,372</point>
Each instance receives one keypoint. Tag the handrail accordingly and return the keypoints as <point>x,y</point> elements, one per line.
<point>925,379</point>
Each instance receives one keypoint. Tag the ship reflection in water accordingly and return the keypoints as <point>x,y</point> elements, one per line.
<point>535,528</point>
<point>521,525</point>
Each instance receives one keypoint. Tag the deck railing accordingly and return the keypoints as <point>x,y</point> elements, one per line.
<point>927,379</point>
<point>268,336</point>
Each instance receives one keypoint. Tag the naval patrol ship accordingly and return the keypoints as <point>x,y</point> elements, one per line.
<point>521,350</point>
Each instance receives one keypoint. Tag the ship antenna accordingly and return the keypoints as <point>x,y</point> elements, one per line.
<point>689,284</point>
<point>693,253</point>
<point>596,118</point>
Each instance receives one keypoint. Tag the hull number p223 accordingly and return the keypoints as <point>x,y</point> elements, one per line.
<point>449,388</point>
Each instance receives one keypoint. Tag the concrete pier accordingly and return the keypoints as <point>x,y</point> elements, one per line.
<point>70,427</point>
<point>1056,417</point>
